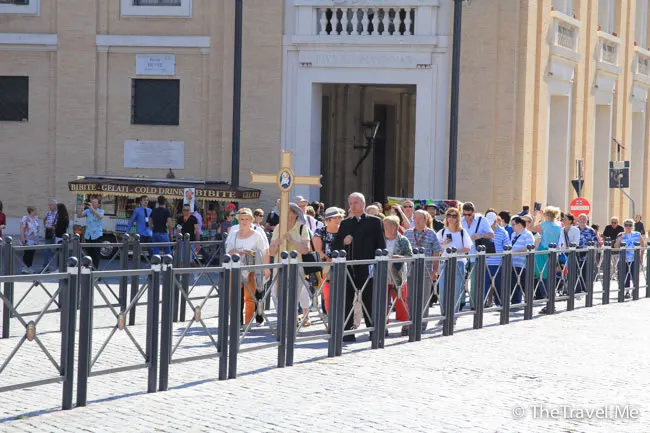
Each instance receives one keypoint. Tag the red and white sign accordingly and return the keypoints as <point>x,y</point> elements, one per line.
<point>579,206</point>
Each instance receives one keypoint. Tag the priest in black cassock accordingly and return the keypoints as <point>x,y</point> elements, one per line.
<point>359,235</point>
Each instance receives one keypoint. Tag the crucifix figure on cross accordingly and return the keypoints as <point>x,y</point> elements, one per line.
<point>285,180</point>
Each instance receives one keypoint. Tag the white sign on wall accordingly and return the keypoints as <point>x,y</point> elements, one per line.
<point>154,154</point>
<point>155,64</point>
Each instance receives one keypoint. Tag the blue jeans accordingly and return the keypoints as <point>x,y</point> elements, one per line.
<point>160,237</point>
<point>518,285</point>
<point>460,280</point>
<point>493,271</point>
<point>47,256</point>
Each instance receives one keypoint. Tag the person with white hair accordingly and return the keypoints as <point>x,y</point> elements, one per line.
<point>360,235</point>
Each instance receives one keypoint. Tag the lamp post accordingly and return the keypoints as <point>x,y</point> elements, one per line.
<point>370,130</point>
<point>236,94</point>
<point>455,92</point>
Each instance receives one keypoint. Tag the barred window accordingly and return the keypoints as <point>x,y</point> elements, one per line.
<point>155,102</point>
<point>14,99</point>
<point>156,2</point>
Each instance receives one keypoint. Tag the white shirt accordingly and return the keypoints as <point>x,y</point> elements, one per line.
<point>573,235</point>
<point>460,240</point>
<point>235,229</point>
<point>474,228</point>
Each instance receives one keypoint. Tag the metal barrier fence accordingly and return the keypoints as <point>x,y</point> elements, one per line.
<point>236,297</point>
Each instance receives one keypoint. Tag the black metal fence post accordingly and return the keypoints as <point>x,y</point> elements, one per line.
<point>647,264</point>
<point>376,301</point>
<point>607,271</point>
<point>450,292</point>
<point>424,292</point>
<point>185,278</point>
<point>622,272</point>
<point>282,284</point>
<point>591,274</point>
<point>178,263</point>
<point>572,278</point>
<point>124,265</point>
<point>551,282</point>
<point>341,286</point>
<point>153,297</point>
<point>235,308</point>
<point>506,285</point>
<point>135,279</point>
<point>637,271</point>
<point>63,255</point>
<point>224,312</point>
<point>529,282</point>
<point>166,325</point>
<point>67,348</point>
<point>332,323</point>
<point>8,286</point>
<point>86,290</point>
<point>380,324</point>
<point>292,303</point>
<point>414,293</point>
<point>479,287</point>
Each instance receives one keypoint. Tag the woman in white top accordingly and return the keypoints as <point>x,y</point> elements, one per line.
<point>252,245</point>
<point>453,235</point>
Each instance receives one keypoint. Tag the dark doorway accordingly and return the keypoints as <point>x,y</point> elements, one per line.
<point>383,173</point>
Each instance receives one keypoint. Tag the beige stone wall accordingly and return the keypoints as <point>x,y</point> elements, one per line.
<point>504,113</point>
<point>80,97</point>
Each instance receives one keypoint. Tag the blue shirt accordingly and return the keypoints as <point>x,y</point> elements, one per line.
<point>479,226</point>
<point>551,232</point>
<point>519,244</point>
<point>94,227</point>
<point>501,239</point>
<point>141,216</point>
<point>630,240</point>
<point>510,230</point>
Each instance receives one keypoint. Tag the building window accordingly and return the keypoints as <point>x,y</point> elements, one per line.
<point>607,15</point>
<point>26,7</point>
<point>157,8</point>
<point>155,102</point>
<point>641,27</point>
<point>14,99</point>
<point>564,6</point>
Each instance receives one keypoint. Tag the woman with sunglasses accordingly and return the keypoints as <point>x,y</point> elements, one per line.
<point>453,235</point>
<point>630,237</point>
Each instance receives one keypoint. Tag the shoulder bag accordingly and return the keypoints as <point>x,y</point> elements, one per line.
<point>490,248</point>
<point>310,257</point>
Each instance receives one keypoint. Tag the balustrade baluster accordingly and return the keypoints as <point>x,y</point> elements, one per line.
<point>397,21</point>
<point>365,21</point>
<point>407,21</point>
<point>375,22</point>
<point>355,22</point>
<point>323,21</point>
<point>344,21</point>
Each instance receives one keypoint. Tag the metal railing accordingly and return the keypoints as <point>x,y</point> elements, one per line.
<point>517,282</point>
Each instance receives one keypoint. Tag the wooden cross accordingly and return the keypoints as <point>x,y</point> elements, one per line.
<point>285,181</point>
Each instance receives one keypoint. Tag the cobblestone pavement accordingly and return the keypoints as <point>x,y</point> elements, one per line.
<point>476,380</point>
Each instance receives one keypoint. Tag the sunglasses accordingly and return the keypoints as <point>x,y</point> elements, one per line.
<point>231,215</point>
<point>629,225</point>
<point>407,206</point>
<point>468,214</point>
<point>452,215</point>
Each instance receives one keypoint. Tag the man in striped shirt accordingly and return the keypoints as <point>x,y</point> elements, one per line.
<point>493,269</point>
<point>521,238</point>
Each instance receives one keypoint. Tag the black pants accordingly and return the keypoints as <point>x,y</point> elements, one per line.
<point>366,298</point>
<point>28,258</point>
<point>94,252</point>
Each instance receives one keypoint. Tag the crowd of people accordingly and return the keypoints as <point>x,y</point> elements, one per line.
<point>315,231</point>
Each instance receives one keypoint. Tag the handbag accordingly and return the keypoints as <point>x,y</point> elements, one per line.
<point>310,257</point>
<point>490,248</point>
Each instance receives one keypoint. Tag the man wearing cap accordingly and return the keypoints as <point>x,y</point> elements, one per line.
<point>49,222</point>
<point>360,235</point>
<point>310,221</point>
<point>432,209</point>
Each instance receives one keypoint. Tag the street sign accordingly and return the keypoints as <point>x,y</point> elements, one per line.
<point>579,206</point>
<point>619,174</point>
<point>577,185</point>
